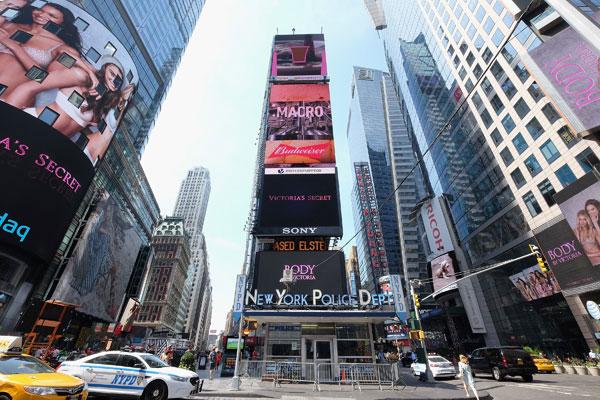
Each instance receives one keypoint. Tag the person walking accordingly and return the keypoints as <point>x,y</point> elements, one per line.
<point>212,362</point>
<point>464,372</point>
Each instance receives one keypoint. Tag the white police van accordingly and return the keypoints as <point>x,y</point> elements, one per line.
<point>132,374</point>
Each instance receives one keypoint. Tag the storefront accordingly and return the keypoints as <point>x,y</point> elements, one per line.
<point>317,336</point>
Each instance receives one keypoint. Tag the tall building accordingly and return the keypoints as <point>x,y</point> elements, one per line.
<point>164,287</point>
<point>375,125</point>
<point>191,205</point>
<point>496,149</point>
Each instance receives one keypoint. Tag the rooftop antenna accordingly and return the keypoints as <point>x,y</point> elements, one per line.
<point>293,31</point>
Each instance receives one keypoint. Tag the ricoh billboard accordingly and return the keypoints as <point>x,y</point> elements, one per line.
<point>299,58</point>
<point>65,83</point>
<point>438,235</point>
<point>566,67</point>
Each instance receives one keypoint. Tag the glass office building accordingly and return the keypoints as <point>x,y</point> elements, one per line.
<point>495,146</point>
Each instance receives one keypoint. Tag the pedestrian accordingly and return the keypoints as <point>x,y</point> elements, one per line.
<point>464,372</point>
<point>212,361</point>
<point>219,358</point>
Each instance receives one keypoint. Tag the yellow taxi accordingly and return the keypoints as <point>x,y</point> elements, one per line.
<point>543,364</point>
<point>23,377</point>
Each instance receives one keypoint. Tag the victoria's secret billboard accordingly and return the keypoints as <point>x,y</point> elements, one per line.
<point>62,100</point>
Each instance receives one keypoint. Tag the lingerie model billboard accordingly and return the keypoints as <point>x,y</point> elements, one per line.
<point>534,284</point>
<point>65,84</point>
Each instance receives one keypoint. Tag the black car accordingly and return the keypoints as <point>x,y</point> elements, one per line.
<point>503,361</point>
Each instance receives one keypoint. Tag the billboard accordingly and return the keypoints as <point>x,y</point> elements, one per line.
<point>299,153</point>
<point>534,284</point>
<point>580,204</point>
<point>98,271</point>
<point>65,84</point>
<point>566,256</point>
<point>299,205</point>
<point>438,235</point>
<point>299,57</point>
<point>443,274</point>
<point>323,270</point>
<point>566,67</point>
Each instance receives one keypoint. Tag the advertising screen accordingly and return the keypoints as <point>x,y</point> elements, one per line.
<point>300,205</point>
<point>65,84</point>
<point>534,284</point>
<point>566,257</point>
<point>97,274</point>
<point>322,270</point>
<point>442,272</point>
<point>299,153</point>
<point>580,204</point>
<point>566,66</point>
<point>299,57</point>
<point>232,344</point>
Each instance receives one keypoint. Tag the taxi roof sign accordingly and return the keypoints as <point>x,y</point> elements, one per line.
<point>9,342</point>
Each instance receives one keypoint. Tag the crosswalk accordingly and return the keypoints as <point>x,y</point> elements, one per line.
<point>558,389</point>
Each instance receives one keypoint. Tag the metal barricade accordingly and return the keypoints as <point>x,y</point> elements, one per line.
<point>256,371</point>
<point>376,374</point>
<point>296,372</point>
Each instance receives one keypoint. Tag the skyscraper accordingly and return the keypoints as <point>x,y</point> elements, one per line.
<point>191,205</point>
<point>496,149</point>
<point>375,124</point>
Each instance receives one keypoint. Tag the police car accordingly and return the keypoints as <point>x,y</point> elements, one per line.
<point>132,374</point>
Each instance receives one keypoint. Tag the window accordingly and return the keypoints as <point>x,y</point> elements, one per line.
<point>464,47</point>
<point>480,13</point>
<point>456,61</point>
<point>534,128</point>
<point>469,85</point>
<point>496,137</point>
<point>106,359</point>
<point>49,116</point>
<point>479,42</point>
<point>487,118</point>
<point>497,37</point>
<point>587,159</point>
<point>486,85</point>
<point>520,143</point>
<point>508,123</point>
<point>497,104</point>
<point>80,24</point>
<point>567,136</point>
<point>2,88</point>
<point>470,58</point>
<point>518,177</point>
<point>533,166</point>
<point>521,108</point>
<point>509,88</point>
<point>532,205</point>
<point>476,99</point>
<point>66,60</point>
<point>477,71</point>
<point>129,76</point>
<point>451,50</point>
<point>547,191</point>
<point>507,156</point>
<point>93,55</point>
<point>549,151</point>
<point>535,92</point>
<point>110,48</point>
<point>128,361</point>
<point>488,25</point>
<point>565,175</point>
<point>497,70</point>
<point>521,72</point>
<point>36,74</point>
<point>76,99</point>
<point>462,73</point>
<point>509,52</point>
<point>487,55</point>
<point>550,113</point>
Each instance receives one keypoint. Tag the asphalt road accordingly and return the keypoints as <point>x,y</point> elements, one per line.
<point>543,387</point>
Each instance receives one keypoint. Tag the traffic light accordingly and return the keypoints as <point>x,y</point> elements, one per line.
<point>416,335</point>
<point>539,257</point>
<point>417,300</point>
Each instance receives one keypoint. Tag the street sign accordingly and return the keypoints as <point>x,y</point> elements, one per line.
<point>238,300</point>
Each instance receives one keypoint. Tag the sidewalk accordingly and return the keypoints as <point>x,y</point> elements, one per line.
<point>440,390</point>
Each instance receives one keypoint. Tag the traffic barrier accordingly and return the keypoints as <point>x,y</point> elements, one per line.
<point>296,372</point>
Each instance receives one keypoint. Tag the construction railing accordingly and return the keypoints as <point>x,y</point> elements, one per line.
<point>355,374</point>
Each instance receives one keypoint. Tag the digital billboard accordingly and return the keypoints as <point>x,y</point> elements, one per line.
<point>566,67</point>
<point>299,205</point>
<point>566,256</point>
<point>323,270</point>
<point>299,153</point>
<point>442,272</point>
<point>299,57</point>
<point>65,84</point>
<point>98,271</point>
<point>580,204</point>
<point>534,284</point>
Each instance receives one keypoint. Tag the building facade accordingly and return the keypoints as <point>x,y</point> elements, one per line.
<point>494,146</point>
<point>164,288</point>
<point>191,205</point>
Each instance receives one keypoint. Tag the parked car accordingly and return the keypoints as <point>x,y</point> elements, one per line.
<point>440,367</point>
<point>543,364</point>
<point>503,361</point>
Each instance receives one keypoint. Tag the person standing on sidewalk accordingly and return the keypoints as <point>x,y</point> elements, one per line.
<point>464,372</point>
<point>212,363</point>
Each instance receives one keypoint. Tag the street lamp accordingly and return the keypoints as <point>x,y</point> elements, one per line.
<point>412,284</point>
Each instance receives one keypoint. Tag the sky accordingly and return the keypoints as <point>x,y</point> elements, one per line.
<point>211,115</point>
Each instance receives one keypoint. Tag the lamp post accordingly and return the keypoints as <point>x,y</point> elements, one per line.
<point>428,374</point>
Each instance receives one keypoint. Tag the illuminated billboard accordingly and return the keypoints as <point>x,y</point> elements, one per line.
<point>97,274</point>
<point>299,153</point>
<point>65,84</point>
<point>534,284</point>
<point>566,67</point>
<point>443,274</point>
<point>299,57</point>
<point>299,205</point>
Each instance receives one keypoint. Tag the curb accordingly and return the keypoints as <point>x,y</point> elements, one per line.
<point>254,395</point>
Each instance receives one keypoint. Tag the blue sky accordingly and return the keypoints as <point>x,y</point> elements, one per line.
<point>211,115</point>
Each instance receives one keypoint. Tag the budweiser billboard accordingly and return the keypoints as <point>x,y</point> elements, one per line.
<point>290,153</point>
